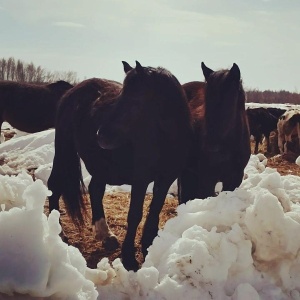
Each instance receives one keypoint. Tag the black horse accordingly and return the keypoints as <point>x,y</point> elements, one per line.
<point>132,134</point>
<point>221,145</point>
<point>30,107</point>
<point>262,121</point>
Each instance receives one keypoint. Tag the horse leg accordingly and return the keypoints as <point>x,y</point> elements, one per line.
<point>288,141</point>
<point>267,136</point>
<point>100,227</point>
<point>150,230</point>
<point>134,218</point>
<point>233,180</point>
<point>298,134</point>
<point>257,140</point>
<point>187,186</point>
<point>54,185</point>
<point>281,139</point>
<point>207,180</point>
<point>2,137</point>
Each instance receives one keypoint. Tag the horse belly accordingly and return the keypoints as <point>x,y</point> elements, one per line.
<point>115,167</point>
<point>28,122</point>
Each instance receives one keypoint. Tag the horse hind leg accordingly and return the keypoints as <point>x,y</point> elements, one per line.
<point>100,226</point>
<point>54,185</point>
<point>298,134</point>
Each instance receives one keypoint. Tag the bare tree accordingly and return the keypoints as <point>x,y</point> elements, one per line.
<point>10,69</point>
<point>20,74</point>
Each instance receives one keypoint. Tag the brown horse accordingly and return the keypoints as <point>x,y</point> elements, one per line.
<point>132,134</point>
<point>30,107</point>
<point>221,146</point>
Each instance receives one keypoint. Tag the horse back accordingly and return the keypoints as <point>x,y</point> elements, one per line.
<point>29,107</point>
<point>80,113</point>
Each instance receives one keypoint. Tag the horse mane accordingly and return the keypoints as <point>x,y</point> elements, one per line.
<point>218,78</point>
<point>173,97</point>
<point>164,81</point>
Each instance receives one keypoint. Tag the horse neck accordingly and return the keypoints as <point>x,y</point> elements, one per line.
<point>229,123</point>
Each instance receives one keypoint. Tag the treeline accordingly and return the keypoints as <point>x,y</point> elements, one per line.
<point>17,70</point>
<point>272,97</point>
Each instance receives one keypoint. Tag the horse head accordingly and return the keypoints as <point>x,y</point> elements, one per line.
<point>224,101</point>
<point>149,98</point>
<point>133,111</point>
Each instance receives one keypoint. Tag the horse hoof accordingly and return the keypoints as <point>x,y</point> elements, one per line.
<point>131,265</point>
<point>111,243</point>
<point>64,237</point>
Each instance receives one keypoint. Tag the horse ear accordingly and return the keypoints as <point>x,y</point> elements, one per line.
<point>126,66</point>
<point>206,71</point>
<point>138,67</point>
<point>235,73</point>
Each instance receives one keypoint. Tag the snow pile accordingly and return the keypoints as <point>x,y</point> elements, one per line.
<point>33,258</point>
<point>239,245</point>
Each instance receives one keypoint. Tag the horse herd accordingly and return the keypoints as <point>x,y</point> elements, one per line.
<point>282,123</point>
<point>148,129</point>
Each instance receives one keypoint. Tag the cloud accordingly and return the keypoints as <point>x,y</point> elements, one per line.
<point>68,24</point>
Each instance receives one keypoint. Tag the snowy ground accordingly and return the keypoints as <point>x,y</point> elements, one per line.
<point>240,245</point>
<point>277,105</point>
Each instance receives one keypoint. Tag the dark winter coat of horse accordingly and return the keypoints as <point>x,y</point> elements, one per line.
<point>221,145</point>
<point>262,121</point>
<point>30,107</point>
<point>132,134</point>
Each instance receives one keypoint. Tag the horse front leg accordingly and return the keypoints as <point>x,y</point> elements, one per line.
<point>187,185</point>
<point>134,218</point>
<point>257,140</point>
<point>100,226</point>
<point>288,142</point>
<point>233,180</point>
<point>2,137</point>
<point>160,191</point>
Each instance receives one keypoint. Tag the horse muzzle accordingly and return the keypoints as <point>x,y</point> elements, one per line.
<point>104,141</point>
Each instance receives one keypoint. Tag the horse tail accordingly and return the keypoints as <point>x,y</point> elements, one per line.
<point>74,191</point>
<point>67,175</point>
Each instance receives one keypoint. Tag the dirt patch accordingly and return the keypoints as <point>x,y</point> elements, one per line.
<point>116,208</point>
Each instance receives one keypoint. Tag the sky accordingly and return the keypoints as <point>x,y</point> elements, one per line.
<point>240,245</point>
<point>92,37</point>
